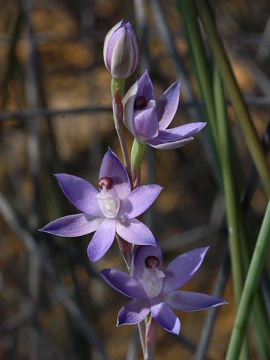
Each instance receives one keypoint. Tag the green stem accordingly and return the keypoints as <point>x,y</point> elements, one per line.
<point>260,323</point>
<point>229,193</point>
<point>137,154</point>
<point>261,329</point>
<point>238,239</point>
<point>119,87</point>
<point>249,291</point>
<point>229,187</point>
<point>202,66</point>
<point>234,91</point>
<point>118,84</point>
<point>203,74</point>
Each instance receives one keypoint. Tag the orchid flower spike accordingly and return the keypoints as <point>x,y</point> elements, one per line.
<point>156,291</point>
<point>111,209</point>
<point>148,119</point>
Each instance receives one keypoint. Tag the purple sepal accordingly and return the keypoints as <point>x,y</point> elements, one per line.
<point>192,301</point>
<point>123,283</point>
<point>165,317</point>
<point>133,312</point>
<point>182,269</point>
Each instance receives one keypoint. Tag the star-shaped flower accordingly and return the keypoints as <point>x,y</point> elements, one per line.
<point>155,291</point>
<point>148,119</point>
<point>109,210</point>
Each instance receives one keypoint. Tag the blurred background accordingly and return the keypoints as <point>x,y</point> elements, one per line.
<point>55,116</point>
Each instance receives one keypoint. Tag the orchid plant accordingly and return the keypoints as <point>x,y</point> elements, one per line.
<point>111,210</point>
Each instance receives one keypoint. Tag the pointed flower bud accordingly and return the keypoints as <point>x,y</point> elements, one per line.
<point>121,50</point>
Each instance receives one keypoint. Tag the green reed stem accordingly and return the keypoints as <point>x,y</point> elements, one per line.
<point>201,67</point>
<point>237,236</point>
<point>229,192</point>
<point>229,187</point>
<point>203,72</point>
<point>238,103</point>
<point>260,323</point>
<point>250,287</point>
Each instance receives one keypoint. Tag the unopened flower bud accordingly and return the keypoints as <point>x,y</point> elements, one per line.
<point>121,50</point>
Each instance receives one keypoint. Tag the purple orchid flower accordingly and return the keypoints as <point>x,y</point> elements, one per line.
<point>110,210</point>
<point>148,119</point>
<point>155,291</point>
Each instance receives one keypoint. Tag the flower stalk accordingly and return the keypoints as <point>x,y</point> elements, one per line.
<point>137,154</point>
<point>150,339</point>
<point>119,86</point>
<point>117,107</point>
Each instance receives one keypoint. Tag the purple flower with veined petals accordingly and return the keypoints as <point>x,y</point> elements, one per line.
<point>155,291</point>
<point>112,209</point>
<point>148,119</point>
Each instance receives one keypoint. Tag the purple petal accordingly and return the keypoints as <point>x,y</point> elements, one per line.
<point>128,104</point>
<point>179,132</point>
<point>135,232</point>
<point>169,145</point>
<point>182,269</point>
<point>109,44</point>
<point>72,225</point>
<point>167,105</point>
<point>192,301</point>
<point>102,240</point>
<point>133,312</point>
<point>111,167</point>
<point>165,317</point>
<point>146,123</point>
<point>135,47</point>
<point>80,193</point>
<point>139,200</point>
<point>123,283</point>
<point>138,259</point>
<point>145,87</point>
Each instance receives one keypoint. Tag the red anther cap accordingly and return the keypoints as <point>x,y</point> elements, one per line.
<point>151,261</point>
<point>105,182</point>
